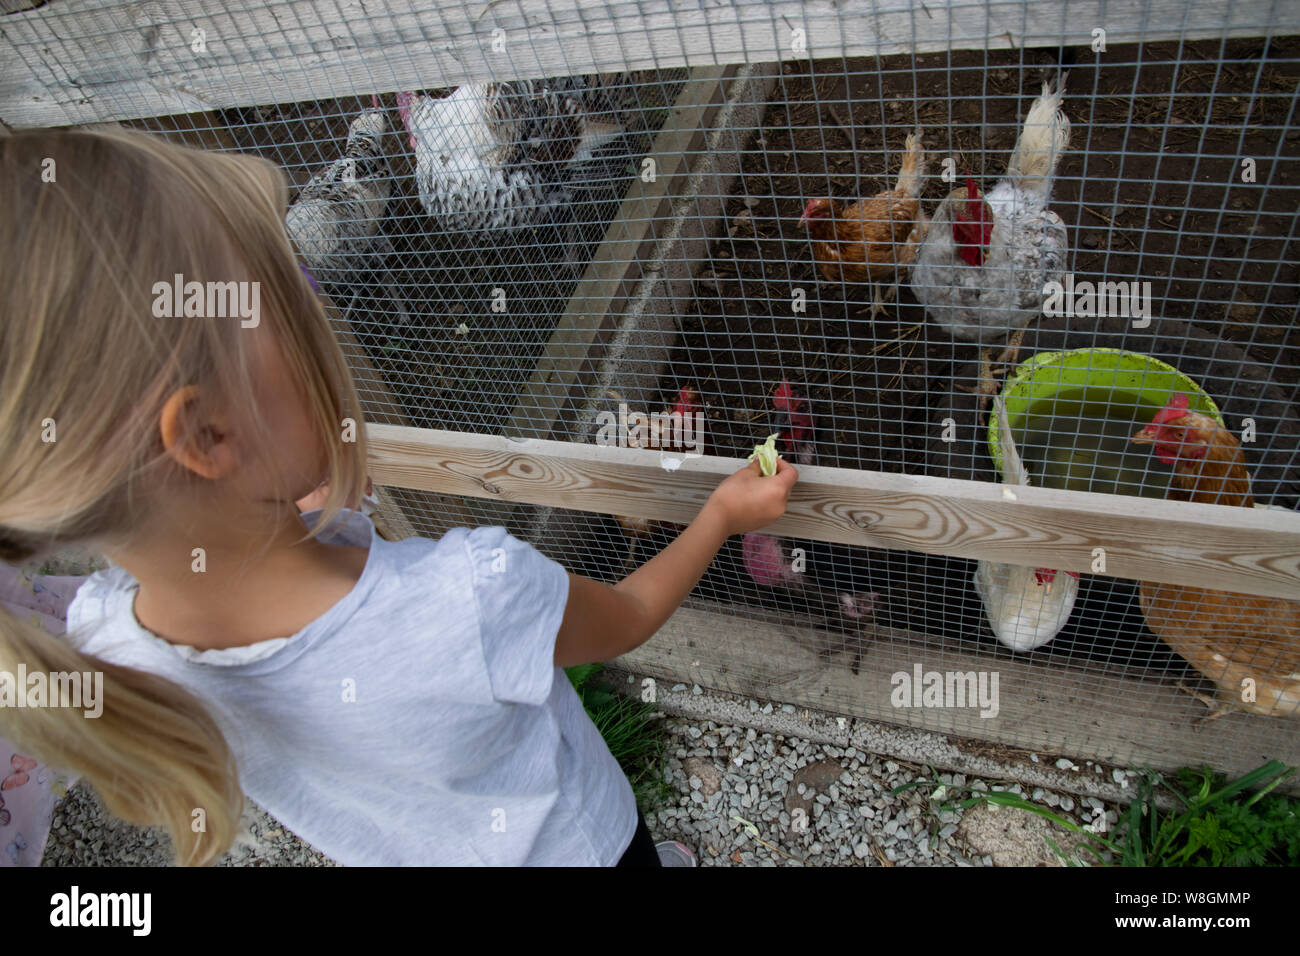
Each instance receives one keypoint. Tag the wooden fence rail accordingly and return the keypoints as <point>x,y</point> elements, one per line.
<point>1230,549</point>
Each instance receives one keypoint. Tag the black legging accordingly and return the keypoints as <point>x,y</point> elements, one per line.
<point>641,851</point>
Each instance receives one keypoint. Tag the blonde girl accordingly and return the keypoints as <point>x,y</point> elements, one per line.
<point>389,702</point>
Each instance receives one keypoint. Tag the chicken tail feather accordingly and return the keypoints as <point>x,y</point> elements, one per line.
<point>1046,135</point>
<point>912,174</point>
<point>1013,469</point>
<point>595,136</point>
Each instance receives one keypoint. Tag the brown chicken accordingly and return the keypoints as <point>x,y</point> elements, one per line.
<point>1241,642</point>
<point>875,239</point>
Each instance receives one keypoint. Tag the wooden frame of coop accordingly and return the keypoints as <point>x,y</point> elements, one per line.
<point>627,295</point>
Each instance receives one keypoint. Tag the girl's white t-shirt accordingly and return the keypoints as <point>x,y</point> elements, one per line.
<point>421,720</point>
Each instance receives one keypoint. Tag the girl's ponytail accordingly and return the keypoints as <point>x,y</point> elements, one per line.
<point>153,753</point>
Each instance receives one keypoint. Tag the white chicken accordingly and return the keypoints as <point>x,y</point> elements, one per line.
<point>334,222</point>
<point>981,269</point>
<point>500,156</point>
<point>1026,607</point>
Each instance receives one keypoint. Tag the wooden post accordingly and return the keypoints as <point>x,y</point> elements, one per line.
<point>619,262</point>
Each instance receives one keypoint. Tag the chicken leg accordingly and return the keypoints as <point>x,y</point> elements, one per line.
<point>1009,354</point>
<point>878,300</point>
<point>1217,710</point>
<point>988,386</point>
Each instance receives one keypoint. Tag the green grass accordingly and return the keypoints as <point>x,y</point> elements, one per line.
<point>1215,823</point>
<point>631,734</point>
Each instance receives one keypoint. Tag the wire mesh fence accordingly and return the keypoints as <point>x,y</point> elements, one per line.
<point>775,244</point>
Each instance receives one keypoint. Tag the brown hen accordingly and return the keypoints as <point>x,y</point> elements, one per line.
<point>1248,645</point>
<point>874,239</point>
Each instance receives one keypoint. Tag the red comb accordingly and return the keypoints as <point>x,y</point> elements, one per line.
<point>404,101</point>
<point>688,400</point>
<point>972,227</point>
<point>1175,409</point>
<point>787,400</point>
<point>796,418</point>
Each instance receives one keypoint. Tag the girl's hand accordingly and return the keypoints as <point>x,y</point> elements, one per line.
<point>748,500</point>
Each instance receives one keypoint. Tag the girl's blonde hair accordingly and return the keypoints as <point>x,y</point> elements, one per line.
<point>92,222</point>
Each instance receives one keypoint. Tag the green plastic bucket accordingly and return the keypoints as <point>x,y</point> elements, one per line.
<point>1096,371</point>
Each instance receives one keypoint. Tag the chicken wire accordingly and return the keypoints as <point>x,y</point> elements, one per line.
<point>1180,172</point>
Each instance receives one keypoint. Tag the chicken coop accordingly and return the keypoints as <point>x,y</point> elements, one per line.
<point>1014,285</point>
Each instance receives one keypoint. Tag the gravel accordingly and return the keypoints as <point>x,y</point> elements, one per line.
<point>85,834</point>
<point>738,796</point>
<point>792,801</point>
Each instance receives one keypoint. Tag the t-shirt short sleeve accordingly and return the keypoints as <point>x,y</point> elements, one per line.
<point>521,595</point>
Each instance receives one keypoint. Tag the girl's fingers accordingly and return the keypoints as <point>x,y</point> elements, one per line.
<point>786,472</point>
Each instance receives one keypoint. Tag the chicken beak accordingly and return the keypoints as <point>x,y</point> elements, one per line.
<point>1148,436</point>
<point>808,215</point>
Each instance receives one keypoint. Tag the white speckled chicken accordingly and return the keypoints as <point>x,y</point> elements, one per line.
<point>334,222</point>
<point>1026,607</point>
<point>981,269</point>
<point>495,156</point>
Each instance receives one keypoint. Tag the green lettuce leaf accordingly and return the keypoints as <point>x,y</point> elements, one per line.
<point>767,455</point>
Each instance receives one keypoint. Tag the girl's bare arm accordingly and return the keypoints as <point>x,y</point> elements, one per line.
<point>603,621</point>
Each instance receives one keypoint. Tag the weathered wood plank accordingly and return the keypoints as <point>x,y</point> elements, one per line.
<point>1087,712</point>
<point>617,265</point>
<point>78,61</point>
<point>1231,549</point>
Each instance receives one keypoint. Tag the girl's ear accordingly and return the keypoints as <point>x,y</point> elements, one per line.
<point>201,446</point>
